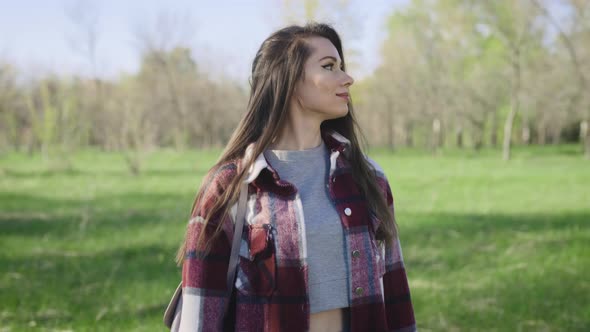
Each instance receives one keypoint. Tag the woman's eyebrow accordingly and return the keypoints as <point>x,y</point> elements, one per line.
<point>329,57</point>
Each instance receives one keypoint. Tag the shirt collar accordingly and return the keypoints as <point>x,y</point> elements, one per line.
<point>333,140</point>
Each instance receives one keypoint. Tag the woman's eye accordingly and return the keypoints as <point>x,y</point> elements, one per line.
<point>331,65</point>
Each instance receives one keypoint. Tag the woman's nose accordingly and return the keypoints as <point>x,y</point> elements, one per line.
<point>349,80</point>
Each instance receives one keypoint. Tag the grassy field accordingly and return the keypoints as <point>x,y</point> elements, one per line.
<point>489,245</point>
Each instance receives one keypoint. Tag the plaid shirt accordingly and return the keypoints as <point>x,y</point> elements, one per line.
<point>272,276</point>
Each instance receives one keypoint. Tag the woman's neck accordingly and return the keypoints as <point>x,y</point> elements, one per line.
<point>298,135</point>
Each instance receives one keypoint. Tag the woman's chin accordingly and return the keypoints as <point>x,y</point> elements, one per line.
<point>343,112</point>
<point>335,113</point>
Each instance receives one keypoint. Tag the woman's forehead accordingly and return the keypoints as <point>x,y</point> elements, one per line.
<point>323,47</point>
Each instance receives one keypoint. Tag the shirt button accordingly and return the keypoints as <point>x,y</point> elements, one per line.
<point>347,211</point>
<point>356,253</point>
<point>359,291</point>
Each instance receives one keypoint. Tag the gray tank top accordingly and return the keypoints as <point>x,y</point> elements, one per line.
<point>328,272</point>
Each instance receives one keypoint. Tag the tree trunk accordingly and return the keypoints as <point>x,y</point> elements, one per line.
<point>514,105</point>
<point>585,137</point>
<point>542,133</point>
<point>436,134</point>
<point>494,131</point>
<point>508,133</point>
<point>478,140</point>
<point>556,134</point>
<point>408,134</point>
<point>526,134</point>
<point>587,146</point>
<point>390,138</point>
<point>459,137</point>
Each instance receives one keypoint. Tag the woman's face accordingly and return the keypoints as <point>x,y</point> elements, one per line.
<point>325,88</point>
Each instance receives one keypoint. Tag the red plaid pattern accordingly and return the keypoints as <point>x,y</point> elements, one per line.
<point>272,291</point>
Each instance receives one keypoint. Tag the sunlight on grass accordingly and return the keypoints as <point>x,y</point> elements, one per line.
<point>489,245</point>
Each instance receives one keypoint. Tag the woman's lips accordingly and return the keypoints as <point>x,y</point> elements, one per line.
<point>343,95</point>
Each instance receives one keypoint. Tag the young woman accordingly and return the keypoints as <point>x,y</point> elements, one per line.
<point>320,248</point>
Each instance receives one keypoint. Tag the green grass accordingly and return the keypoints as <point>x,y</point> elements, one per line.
<point>489,245</point>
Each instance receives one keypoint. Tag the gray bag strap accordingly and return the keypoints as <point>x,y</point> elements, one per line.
<point>172,313</point>
<point>235,247</point>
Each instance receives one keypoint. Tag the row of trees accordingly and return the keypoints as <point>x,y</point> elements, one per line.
<point>453,72</point>
<point>483,73</point>
<point>167,103</point>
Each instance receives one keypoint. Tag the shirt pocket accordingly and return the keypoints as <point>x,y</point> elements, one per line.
<point>377,247</point>
<point>256,271</point>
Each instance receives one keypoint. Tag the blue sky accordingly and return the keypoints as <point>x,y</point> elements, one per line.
<point>224,35</point>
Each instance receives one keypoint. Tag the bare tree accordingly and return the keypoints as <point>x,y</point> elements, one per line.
<point>572,49</point>
<point>155,44</point>
<point>84,37</point>
<point>54,120</point>
<point>512,22</point>
<point>339,13</point>
<point>9,117</point>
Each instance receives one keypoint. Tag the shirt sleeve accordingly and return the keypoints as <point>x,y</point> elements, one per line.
<point>204,292</point>
<point>396,291</point>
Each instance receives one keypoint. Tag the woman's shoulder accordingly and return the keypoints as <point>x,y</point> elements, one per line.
<point>376,167</point>
<point>221,173</point>
<point>381,178</point>
<point>213,186</point>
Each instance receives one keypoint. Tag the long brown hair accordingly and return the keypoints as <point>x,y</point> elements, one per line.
<point>277,67</point>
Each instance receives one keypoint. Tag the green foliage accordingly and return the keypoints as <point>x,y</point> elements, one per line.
<point>56,121</point>
<point>11,128</point>
<point>488,245</point>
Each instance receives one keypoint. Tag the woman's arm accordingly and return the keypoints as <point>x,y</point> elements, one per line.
<point>396,291</point>
<point>204,292</point>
